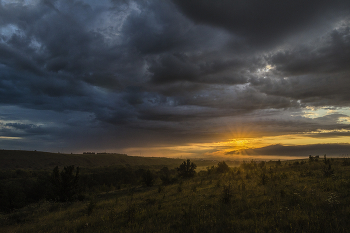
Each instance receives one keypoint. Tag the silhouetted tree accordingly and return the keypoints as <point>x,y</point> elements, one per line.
<point>148,178</point>
<point>262,164</point>
<point>222,167</point>
<point>325,160</point>
<point>65,183</point>
<point>165,175</point>
<point>12,196</point>
<point>328,171</point>
<point>278,163</point>
<point>187,169</point>
<point>311,158</point>
<point>227,193</point>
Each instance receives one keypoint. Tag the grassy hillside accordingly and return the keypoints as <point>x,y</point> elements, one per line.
<point>35,160</point>
<point>297,196</point>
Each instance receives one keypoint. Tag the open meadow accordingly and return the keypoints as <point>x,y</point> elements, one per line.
<point>310,195</point>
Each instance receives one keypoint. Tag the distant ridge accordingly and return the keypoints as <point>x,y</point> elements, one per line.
<point>19,159</point>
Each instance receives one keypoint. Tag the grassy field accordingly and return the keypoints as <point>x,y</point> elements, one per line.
<point>294,196</point>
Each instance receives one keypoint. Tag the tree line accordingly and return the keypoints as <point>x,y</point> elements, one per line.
<point>22,187</point>
<point>19,188</point>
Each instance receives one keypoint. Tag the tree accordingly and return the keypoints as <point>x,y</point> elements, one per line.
<point>148,178</point>
<point>65,183</point>
<point>278,163</point>
<point>222,167</point>
<point>311,158</point>
<point>262,164</point>
<point>187,169</point>
<point>165,175</point>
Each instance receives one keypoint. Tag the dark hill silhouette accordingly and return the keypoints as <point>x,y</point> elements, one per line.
<point>15,159</point>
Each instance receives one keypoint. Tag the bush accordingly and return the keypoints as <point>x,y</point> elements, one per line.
<point>166,177</point>
<point>262,164</point>
<point>187,169</point>
<point>222,167</point>
<point>65,183</point>
<point>12,196</point>
<point>211,170</point>
<point>148,178</point>
<point>227,194</point>
<point>328,171</point>
<point>278,163</point>
<point>91,206</point>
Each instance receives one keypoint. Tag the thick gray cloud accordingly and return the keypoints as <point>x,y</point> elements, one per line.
<point>117,74</point>
<point>262,23</point>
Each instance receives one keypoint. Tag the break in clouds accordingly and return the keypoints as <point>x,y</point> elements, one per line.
<point>111,75</point>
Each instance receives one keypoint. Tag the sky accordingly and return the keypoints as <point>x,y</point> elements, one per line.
<point>176,78</point>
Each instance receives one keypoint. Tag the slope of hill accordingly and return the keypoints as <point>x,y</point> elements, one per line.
<point>300,196</point>
<point>15,159</point>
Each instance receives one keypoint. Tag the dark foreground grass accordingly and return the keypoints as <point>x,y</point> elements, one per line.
<point>292,197</point>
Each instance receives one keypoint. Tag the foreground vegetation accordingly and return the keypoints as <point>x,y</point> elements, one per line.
<point>294,196</point>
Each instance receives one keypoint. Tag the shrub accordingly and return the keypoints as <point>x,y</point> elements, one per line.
<point>65,183</point>
<point>166,177</point>
<point>328,171</point>
<point>222,167</point>
<point>346,162</point>
<point>311,158</point>
<point>91,206</point>
<point>194,188</point>
<point>249,166</point>
<point>263,177</point>
<point>278,163</point>
<point>227,194</point>
<point>187,169</point>
<point>211,169</point>
<point>12,196</point>
<point>262,164</point>
<point>326,161</point>
<point>248,176</point>
<point>148,178</point>
<point>179,188</point>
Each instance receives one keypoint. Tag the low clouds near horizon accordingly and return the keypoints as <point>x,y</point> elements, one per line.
<point>169,76</point>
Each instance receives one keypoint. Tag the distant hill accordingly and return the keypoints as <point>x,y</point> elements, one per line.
<point>15,159</point>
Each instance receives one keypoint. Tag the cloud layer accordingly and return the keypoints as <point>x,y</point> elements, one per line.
<point>113,75</point>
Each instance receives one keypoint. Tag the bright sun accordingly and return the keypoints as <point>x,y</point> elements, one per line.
<point>240,143</point>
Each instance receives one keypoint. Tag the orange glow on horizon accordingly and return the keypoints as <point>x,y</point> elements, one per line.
<point>237,148</point>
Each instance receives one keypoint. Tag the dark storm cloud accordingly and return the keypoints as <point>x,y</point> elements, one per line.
<point>179,67</point>
<point>170,69</point>
<point>17,59</point>
<point>329,54</point>
<point>154,30</point>
<point>317,73</point>
<point>263,23</point>
<point>314,90</point>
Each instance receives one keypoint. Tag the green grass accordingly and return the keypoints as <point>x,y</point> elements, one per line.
<point>295,198</point>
